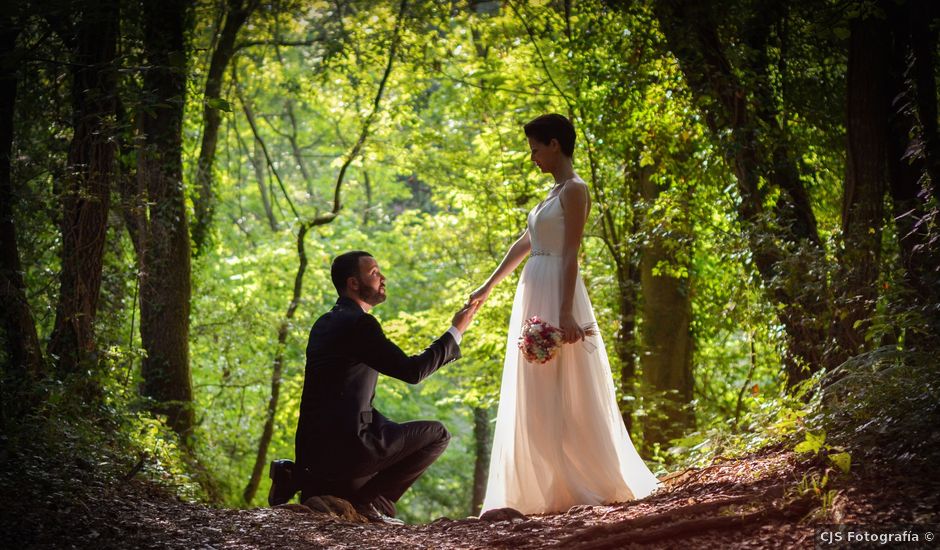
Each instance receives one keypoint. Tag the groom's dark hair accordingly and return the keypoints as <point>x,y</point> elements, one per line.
<point>344,266</point>
<point>553,126</point>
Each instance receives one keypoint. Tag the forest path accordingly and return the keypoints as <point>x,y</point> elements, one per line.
<point>750,502</point>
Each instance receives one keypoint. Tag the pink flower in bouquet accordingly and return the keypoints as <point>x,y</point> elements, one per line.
<point>540,341</point>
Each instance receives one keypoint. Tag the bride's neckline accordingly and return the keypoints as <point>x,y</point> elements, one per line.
<point>558,185</point>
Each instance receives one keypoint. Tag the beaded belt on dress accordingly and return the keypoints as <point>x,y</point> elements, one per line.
<point>542,253</point>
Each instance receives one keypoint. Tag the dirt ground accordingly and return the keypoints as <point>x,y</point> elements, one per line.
<point>765,500</point>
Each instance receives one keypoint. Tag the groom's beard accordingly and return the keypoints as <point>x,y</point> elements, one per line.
<point>370,295</point>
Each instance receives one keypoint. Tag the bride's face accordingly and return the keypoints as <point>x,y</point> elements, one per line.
<point>544,156</point>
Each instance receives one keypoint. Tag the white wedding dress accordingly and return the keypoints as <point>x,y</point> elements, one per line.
<point>560,440</point>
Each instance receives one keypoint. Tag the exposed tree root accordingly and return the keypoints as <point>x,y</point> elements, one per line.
<point>682,528</point>
<point>699,508</point>
<point>673,480</point>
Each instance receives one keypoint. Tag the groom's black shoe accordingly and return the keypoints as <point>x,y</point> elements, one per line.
<point>282,484</point>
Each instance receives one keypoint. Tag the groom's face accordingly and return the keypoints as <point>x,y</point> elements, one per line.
<point>371,282</point>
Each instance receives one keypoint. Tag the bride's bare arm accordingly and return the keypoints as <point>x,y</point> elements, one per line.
<point>514,256</point>
<point>574,199</point>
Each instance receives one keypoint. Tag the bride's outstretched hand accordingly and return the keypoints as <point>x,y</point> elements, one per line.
<point>479,295</point>
<point>570,329</point>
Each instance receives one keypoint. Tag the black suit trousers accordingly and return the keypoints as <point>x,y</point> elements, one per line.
<point>422,442</point>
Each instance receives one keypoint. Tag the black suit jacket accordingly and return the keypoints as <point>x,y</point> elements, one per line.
<point>339,433</point>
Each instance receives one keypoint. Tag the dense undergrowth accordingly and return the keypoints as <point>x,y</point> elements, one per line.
<point>66,444</point>
<point>881,407</point>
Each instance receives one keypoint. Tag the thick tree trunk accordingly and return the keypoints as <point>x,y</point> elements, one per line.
<point>735,117</point>
<point>482,446</point>
<point>20,339</point>
<point>863,196</point>
<point>86,192</point>
<point>237,12</point>
<point>666,338</point>
<point>165,267</point>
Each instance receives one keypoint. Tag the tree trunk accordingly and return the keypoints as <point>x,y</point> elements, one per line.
<point>132,195</point>
<point>258,162</point>
<point>259,159</point>
<point>863,195</point>
<point>367,183</point>
<point>237,12</point>
<point>165,267</point>
<point>295,150</point>
<point>906,167</point>
<point>482,444</point>
<point>628,282</point>
<point>924,18</point>
<point>666,336</point>
<point>268,430</point>
<point>22,344</point>
<point>626,260</point>
<point>740,122</point>
<point>86,191</point>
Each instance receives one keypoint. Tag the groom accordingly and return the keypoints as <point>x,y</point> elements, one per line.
<point>344,447</point>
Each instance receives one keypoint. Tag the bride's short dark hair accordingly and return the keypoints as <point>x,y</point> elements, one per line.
<point>552,126</point>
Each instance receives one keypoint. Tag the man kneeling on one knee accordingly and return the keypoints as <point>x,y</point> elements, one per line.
<point>345,447</point>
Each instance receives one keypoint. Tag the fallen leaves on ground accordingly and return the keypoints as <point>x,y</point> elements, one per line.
<point>757,501</point>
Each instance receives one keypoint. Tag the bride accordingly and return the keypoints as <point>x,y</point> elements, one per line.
<point>560,440</point>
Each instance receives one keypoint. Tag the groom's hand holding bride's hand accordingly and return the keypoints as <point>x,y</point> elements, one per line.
<point>478,296</point>
<point>464,317</point>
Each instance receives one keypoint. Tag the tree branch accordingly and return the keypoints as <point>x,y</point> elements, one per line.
<point>249,114</point>
<point>366,125</point>
<point>252,43</point>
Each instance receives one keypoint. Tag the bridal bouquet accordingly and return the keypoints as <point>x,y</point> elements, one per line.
<point>540,341</point>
